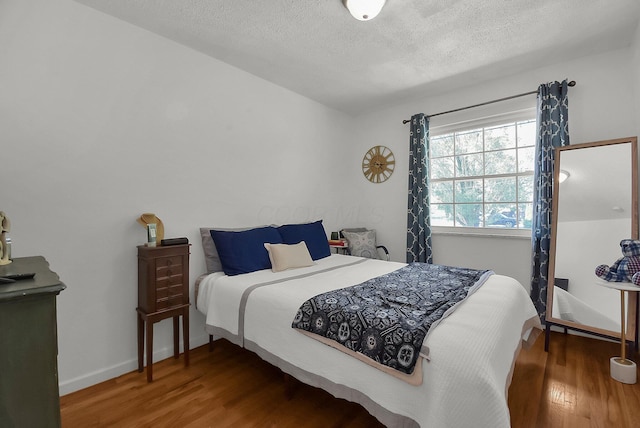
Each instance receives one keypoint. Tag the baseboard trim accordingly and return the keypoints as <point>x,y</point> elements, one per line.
<point>107,373</point>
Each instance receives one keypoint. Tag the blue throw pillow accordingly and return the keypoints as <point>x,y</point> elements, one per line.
<point>243,251</point>
<point>312,234</point>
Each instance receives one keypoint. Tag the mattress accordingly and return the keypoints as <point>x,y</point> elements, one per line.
<point>472,351</point>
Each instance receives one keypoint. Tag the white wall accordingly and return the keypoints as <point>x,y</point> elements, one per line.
<point>601,106</point>
<point>102,121</point>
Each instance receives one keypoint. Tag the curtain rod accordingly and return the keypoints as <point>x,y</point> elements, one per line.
<point>572,83</point>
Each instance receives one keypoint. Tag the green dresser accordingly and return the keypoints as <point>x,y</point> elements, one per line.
<point>29,394</point>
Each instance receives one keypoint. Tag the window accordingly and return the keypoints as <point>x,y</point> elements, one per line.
<point>483,177</point>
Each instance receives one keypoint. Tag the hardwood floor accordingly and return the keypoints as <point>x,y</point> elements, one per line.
<point>568,387</point>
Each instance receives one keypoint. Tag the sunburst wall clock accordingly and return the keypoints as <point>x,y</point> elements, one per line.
<point>378,164</point>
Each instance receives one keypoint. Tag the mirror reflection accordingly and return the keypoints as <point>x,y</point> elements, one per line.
<point>594,206</point>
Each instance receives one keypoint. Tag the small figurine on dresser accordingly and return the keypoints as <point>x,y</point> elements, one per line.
<point>5,226</point>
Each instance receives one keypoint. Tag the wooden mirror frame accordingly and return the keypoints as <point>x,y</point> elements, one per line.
<point>632,302</point>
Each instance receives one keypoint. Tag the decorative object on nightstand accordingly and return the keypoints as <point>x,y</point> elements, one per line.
<point>341,246</point>
<point>163,292</point>
<point>378,164</point>
<point>29,394</point>
<point>147,219</point>
<point>622,369</point>
<point>5,249</point>
<point>174,241</point>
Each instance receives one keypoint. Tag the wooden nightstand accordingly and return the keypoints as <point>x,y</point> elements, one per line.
<point>163,292</point>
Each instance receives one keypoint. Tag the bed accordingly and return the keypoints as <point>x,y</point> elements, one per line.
<point>472,351</point>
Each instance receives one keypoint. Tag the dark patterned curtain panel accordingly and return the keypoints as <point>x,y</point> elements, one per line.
<point>419,221</point>
<point>553,131</point>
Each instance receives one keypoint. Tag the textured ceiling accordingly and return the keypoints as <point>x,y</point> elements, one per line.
<point>414,48</point>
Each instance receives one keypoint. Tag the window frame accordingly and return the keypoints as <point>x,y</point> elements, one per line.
<point>521,115</point>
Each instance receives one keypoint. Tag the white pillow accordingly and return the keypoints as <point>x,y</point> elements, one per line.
<point>285,256</point>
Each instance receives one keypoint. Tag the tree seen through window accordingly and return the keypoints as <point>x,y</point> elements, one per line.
<point>483,177</point>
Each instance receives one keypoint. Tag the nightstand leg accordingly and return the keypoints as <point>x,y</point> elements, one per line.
<point>140,343</point>
<point>176,337</point>
<point>149,351</point>
<point>185,334</point>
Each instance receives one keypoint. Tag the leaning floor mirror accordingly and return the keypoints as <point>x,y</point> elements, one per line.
<point>595,206</point>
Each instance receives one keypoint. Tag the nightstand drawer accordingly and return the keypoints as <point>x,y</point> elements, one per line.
<point>168,303</point>
<point>169,280</point>
<point>163,277</point>
<point>169,291</point>
<point>168,267</point>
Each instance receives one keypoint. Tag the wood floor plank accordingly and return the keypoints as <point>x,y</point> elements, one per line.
<point>568,387</point>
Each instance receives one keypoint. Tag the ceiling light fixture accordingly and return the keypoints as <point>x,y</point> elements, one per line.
<point>563,175</point>
<point>364,10</point>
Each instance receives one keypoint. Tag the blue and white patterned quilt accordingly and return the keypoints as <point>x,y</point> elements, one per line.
<point>388,317</point>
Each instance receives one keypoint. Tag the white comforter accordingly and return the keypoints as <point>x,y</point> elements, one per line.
<point>472,351</point>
